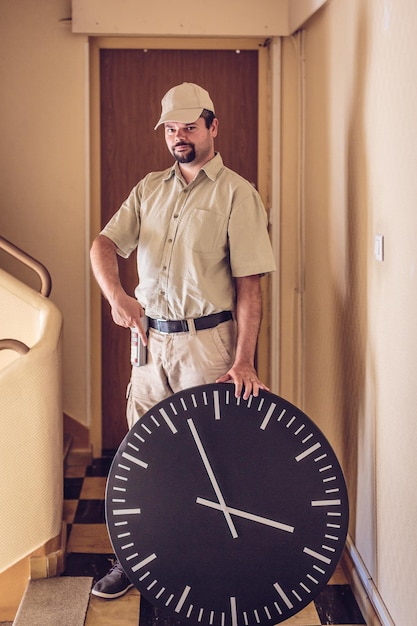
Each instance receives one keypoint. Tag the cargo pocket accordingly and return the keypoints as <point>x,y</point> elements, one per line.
<point>224,338</point>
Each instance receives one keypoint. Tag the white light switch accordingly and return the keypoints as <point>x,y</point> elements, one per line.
<point>379,247</point>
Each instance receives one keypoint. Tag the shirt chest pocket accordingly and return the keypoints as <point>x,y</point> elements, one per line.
<point>204,231</point>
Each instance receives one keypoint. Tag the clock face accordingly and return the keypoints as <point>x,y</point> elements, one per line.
<point>224,511</point>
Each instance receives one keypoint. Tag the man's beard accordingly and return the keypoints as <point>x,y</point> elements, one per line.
<point>187,157</point>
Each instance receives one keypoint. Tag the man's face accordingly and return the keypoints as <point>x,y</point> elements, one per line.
<point>191,143</point>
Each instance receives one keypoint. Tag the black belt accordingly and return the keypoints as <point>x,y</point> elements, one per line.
<point>181,326</point>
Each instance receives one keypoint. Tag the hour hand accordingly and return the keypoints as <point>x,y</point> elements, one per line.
<point>250,516</point>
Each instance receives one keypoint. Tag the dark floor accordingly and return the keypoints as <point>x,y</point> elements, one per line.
<point>90,554</point>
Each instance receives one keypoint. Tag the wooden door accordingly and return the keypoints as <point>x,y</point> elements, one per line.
<point>132,83</point>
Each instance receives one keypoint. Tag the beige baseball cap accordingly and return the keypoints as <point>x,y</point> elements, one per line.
<point>184,103</point>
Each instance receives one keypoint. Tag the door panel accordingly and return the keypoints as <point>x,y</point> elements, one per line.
<point>132,83</point>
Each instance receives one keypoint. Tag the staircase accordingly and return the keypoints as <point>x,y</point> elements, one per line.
<point>42,569</point>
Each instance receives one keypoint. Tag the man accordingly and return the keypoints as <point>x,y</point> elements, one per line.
<point>200,232</point>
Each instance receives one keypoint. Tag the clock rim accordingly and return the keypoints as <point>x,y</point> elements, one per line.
<point>210,388</point>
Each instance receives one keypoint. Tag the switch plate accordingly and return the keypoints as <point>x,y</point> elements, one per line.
<point>379,247</point>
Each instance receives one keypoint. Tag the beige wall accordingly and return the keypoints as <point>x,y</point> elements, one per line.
<point>358,331</point>
<point>264,18</point>
<point>43,165</point>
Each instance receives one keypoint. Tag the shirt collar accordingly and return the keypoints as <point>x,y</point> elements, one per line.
<point>211,168</point>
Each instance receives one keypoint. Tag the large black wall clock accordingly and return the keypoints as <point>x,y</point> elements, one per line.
<point>224,511</point>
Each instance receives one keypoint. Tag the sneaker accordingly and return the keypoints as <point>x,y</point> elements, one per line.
<point>113,585</point>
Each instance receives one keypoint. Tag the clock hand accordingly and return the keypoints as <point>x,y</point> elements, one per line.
<point>222,504</point>
<point>249,516</point>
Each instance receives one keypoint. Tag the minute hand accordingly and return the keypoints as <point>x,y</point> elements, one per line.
<point>246,515</point>
<point>221,505</point>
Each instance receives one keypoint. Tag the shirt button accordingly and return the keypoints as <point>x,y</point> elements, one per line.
<point>169,240</point>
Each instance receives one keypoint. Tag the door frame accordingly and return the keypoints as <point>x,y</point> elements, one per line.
<point>268,187</point>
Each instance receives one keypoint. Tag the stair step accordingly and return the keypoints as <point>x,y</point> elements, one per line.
<point>59,601</point>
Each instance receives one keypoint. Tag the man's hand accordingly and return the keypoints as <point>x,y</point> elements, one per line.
<point>125,310</point>
<point>244,378</point>
<point>248,317</point>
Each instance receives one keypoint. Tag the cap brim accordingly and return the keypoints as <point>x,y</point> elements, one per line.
<point>180,115</point>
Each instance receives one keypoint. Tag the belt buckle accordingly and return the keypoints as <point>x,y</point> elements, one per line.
<point>184,326</point>
<point>158,326</point>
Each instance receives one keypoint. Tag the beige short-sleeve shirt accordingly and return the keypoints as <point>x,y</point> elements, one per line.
<point>192,239</point>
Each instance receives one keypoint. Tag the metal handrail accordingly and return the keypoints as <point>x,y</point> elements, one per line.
<point>14,344</point>
<point>29,261</point>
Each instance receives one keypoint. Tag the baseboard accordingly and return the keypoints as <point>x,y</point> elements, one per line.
<point>80,451</point>
<point>79,433</point>
<point>67,445</point>
<point>364,589</point>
